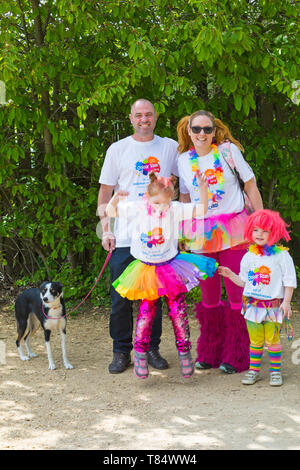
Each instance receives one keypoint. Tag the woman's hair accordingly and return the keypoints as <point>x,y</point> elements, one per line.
<point>159,185</point>
<point>222,131</point>
<point>267,220</point>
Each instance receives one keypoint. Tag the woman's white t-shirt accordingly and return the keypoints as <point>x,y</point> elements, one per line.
<point>127,166</point>
<point>222,200</point>
<point>154,238</point>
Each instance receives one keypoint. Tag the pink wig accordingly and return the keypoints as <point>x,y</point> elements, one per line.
<point>267,220</point>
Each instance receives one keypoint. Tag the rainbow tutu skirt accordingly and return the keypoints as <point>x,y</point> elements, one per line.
<point>215,233</point>
<point>171,278</point>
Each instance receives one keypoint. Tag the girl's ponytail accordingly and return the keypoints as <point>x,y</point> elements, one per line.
<point>184,139</point>
<point>223,134</point>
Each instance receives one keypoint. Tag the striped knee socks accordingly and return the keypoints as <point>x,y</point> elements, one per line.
<point>275,357</point>
<point>255,357</point>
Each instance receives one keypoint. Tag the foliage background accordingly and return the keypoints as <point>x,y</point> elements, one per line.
<point>72,68</point>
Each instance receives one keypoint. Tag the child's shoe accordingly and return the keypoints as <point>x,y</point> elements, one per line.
<point>275,379</point>
<point>250,377</point>
<point>141,365</point>
<point>186,364</point>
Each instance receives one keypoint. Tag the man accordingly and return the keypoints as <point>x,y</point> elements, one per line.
<point>126,166</point>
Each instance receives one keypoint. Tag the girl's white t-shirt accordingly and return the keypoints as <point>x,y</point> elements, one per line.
<point>222,200</point>
<point>154,238</point>
<point>127,166</point>
<point>266,276</point>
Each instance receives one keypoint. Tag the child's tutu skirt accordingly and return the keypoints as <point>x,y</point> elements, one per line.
<point>150,281</point>
<point>214,233</point>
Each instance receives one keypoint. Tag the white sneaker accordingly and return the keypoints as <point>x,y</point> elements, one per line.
<point>275,379</point>
<point>251,377</point>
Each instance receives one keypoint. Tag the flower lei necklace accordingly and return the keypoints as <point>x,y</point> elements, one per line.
<point>215,193</point>
<point>266,250</point>
<point>217,163</point>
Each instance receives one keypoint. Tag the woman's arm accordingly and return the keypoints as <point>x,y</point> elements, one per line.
<point>253,194</point>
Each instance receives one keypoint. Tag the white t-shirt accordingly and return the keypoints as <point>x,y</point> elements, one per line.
<point>265,278</point>
<point>127,165</point>
<point>154,238</point>
<point>222,200</point>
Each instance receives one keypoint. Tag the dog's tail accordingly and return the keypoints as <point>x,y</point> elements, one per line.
<point>32,324</point>
<point>26,328</point>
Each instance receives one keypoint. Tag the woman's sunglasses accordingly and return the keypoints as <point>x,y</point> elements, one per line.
<point>198,129</point>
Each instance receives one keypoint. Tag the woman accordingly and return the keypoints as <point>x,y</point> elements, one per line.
<point>224,340</point>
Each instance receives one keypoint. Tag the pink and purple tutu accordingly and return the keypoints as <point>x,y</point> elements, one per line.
<point>150,281</point>
<point>215,233</point>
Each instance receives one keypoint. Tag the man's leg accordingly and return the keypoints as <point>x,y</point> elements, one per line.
<point>121,308</point>
<point>120,324</point>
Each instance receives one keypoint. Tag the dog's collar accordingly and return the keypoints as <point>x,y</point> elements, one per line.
<point>52,318</point>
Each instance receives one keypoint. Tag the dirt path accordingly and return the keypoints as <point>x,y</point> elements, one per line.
<point>88,408</point>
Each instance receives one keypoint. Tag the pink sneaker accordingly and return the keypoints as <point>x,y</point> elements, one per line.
<point>140,365</point>
<point>186,364</point>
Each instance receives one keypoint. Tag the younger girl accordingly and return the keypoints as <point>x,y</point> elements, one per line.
<point>159,270</point>
<point>268,276</point>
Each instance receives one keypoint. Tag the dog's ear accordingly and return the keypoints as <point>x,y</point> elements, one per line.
<point>58,286</point>
<point>43,285</point>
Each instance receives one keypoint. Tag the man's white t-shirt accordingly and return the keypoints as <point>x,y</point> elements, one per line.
<point>265,278</point>
<point>224,199</point>
<point>154,237</point>
<point>127,166</point>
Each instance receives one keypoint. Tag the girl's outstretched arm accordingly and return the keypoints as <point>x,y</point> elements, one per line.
<point>111,208</point>
<point>201,208</point>
<point>226,272</point>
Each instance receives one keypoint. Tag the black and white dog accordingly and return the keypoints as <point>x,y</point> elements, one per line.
<point>44,306</point>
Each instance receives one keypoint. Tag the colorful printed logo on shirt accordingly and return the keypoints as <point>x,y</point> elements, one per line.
<point>153,237</point>
<point>215,193</point>
<point>259,276</point>
<point>147,165</point>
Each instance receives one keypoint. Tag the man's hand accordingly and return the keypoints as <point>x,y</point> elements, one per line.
<point>108,241</point>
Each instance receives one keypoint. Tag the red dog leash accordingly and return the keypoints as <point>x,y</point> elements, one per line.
<point>98,279</point>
